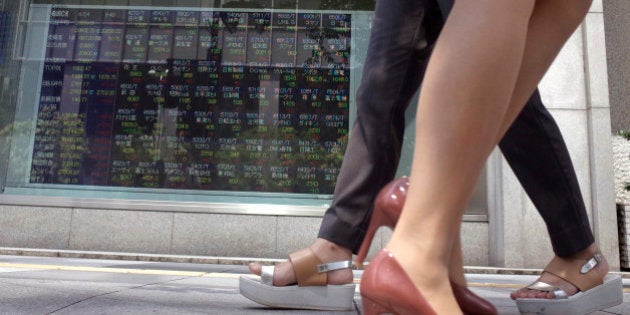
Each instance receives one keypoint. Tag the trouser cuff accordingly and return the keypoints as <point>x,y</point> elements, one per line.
<point>341,233</point>
<point>570,241</point>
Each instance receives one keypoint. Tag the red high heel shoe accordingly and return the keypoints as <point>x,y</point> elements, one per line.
<point>386,288</point>
<point>387,208</point>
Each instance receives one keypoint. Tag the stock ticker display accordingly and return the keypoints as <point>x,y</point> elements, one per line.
<point>212,100</point>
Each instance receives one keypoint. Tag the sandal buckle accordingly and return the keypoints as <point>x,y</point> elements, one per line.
<point>591,263</point>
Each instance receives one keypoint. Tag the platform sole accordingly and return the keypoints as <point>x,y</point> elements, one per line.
<point>326,298</point>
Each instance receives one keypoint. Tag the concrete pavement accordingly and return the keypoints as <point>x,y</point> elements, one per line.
<point>48,285</point>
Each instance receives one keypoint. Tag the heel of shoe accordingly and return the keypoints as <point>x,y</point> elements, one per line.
<point>471,303</point>
<point>387,208</point>
<point>367,241</point>
<point>370,307</point>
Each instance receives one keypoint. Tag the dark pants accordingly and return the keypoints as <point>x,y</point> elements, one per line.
<point>403,32</point>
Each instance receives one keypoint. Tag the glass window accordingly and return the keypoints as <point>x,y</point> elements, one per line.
<point>211,101</point>
<point>236,103</point>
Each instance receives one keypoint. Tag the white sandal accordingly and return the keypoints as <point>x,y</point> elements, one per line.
<point>312,290</point>
<point>594,294</point>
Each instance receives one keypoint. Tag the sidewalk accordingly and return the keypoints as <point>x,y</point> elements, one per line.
<point>43,285</point>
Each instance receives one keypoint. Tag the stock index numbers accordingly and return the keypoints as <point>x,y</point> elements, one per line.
<point>214,100</point>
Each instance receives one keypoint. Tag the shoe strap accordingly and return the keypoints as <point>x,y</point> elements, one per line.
<point>591,263</point>
<point>558,293</point>
<point>580,277</point>
<point>334,266</point>
<point>266,275</point>
<point>310,270</point>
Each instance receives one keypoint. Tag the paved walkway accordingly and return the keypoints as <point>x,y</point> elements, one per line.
<point>41,285</point>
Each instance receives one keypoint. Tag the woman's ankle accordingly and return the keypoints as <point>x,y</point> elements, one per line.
<point>592,252</point>
<point>327,250</point>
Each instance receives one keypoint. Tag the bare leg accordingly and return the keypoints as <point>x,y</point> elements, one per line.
<point>455,102</point>
<point>463,107</point>
<point>546,36</point>
<point>456,267</point>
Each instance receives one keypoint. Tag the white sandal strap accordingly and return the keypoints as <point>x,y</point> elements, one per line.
<point>266,272</point>
<point>334,266</point>
<point>266,275</point>
<point>558,293</point>
<point>591,263</point>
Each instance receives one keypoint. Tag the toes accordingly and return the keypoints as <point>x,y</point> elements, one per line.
<point>525,293</point>
<point>255,268</point>
<point>283,273</point>
<point>530,294</point>
<point>518,294</point>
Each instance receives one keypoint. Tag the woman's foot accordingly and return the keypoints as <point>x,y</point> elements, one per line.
<point>326,251</point>
<point>577,260</point>
<point>429,274</point>
<point>318,277</point>
<point>386,288</point>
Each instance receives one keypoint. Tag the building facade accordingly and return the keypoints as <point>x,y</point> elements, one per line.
<point>217,128</point>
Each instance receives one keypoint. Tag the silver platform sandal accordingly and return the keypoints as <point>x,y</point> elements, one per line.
<point>312,290</point>
<point>594,294</point>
